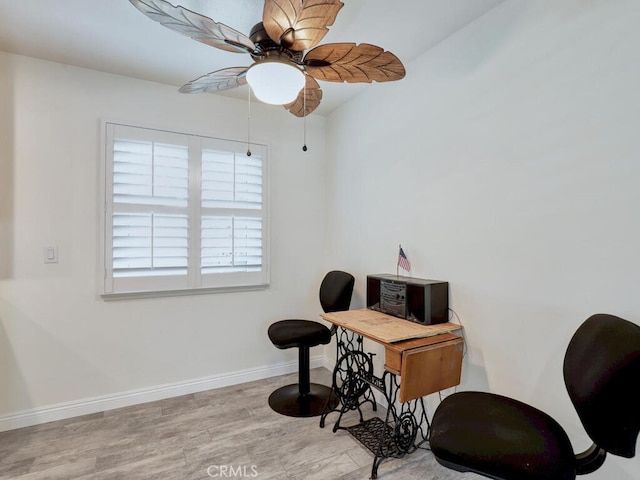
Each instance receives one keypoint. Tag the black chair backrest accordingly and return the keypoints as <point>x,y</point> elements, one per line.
<point>336,290</point>
<point>602,375</point>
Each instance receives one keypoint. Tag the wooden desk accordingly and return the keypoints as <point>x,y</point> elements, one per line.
<point>428,358</point>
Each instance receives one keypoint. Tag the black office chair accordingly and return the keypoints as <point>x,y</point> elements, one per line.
<point>305,399</point>
<point>505,439</point>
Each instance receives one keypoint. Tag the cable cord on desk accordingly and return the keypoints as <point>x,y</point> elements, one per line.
<point>464,338</point>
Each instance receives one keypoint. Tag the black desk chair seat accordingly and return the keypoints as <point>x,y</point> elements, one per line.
<point>306,399</point>
<point>500,436</point>
<point>504,439</point>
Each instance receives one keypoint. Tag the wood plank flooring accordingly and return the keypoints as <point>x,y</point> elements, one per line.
<point>224,433</point>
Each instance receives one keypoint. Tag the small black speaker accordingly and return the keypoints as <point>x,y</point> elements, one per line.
<point>373,291</point>
<point>416,299</point>
<point>428,303</point>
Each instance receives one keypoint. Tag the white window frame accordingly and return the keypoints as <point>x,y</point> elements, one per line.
<point>194,282</point>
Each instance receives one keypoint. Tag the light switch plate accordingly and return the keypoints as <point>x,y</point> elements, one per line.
<point>50,254</point>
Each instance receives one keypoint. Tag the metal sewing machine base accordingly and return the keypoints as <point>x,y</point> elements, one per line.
<point>400,433</point>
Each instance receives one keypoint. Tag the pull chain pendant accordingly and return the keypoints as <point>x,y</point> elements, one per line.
<point>249,126</point>
<point>304,114</point>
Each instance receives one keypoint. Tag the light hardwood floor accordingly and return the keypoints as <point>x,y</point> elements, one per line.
<point>224,433</point>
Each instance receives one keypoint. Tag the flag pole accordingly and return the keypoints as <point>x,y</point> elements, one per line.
<point>398,262</point>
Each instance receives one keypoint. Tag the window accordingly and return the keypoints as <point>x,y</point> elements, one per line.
<point>182,212</point>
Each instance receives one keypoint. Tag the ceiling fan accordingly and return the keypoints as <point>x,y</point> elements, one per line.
<point>277,46</point>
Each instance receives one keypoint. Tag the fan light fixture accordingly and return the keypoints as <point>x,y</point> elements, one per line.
<point>275,82</point>
<point>286,51</point>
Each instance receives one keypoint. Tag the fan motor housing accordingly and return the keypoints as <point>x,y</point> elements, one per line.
<point>258,33</point>
<point>266,47</point>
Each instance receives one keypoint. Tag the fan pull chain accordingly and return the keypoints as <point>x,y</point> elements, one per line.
<point>304,114</point>
<point>249,125</point>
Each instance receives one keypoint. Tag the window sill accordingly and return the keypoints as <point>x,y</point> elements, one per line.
<point>110,297</point>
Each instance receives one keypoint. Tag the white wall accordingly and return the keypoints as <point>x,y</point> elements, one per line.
<point>507,162</point>
<point>59,342</point>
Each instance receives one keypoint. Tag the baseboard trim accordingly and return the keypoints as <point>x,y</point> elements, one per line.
<point>61,411</point>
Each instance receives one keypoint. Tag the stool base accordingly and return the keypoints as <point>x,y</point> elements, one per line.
<point>289,401</point>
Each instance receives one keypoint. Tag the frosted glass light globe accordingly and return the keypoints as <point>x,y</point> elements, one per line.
<point>275,82</point>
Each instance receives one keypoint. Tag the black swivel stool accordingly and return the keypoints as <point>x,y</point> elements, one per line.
<point>505,439</point>
<point>306,399</point>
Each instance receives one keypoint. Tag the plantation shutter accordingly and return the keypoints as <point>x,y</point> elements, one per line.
<point>232,199</point>
<point>182,212</point>
<point>150,200</point>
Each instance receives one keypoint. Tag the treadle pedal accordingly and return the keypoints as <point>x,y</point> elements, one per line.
<point>370,432</point>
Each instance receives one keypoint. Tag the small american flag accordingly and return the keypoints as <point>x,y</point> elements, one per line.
<point>403,261</point>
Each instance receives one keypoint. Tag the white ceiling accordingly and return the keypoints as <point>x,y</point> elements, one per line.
<point>113,36</point>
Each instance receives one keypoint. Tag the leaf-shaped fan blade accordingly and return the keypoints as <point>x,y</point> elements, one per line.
<point>194,25</point>
<point>299,24</point>
<point>348,62</point>
<point>313,98</point>
<point>217,81</point>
